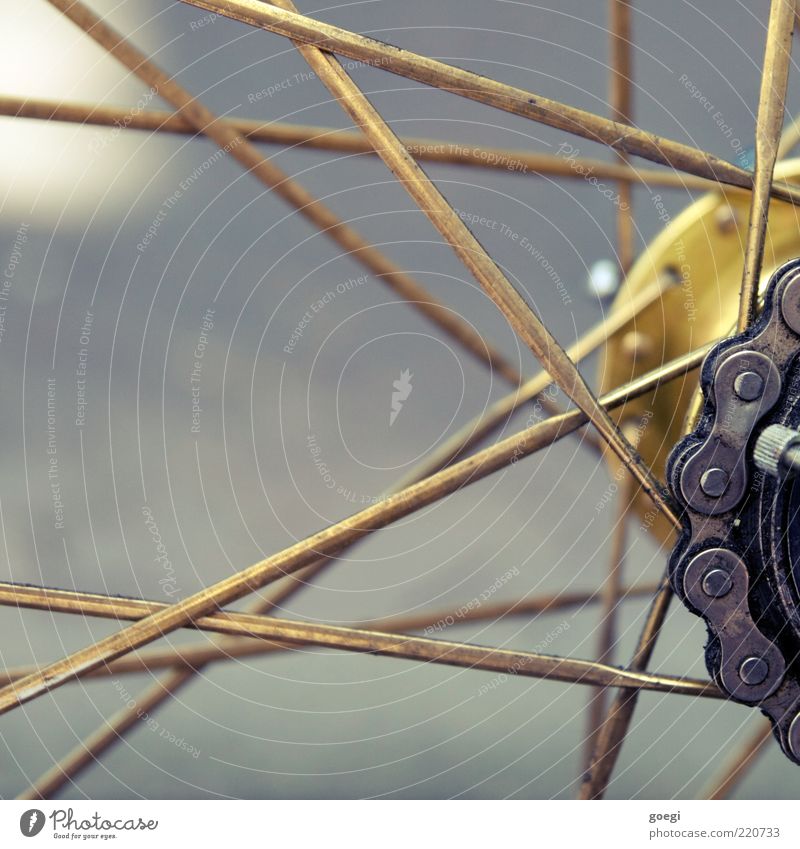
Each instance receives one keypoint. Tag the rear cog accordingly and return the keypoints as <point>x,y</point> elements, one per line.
<point>737,562</point>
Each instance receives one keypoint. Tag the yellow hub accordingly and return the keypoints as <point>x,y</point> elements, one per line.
<point>703,248</point>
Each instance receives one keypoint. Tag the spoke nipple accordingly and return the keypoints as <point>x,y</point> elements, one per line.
<point>748,385</point>
<point>714,482</point>
<point>753,671</point>
<point>717,583</point>
<point>604,279</point>
<point>636,346</point>
<point>727,220</point>
<point>671,276</point>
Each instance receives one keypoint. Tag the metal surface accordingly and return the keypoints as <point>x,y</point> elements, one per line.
<point>327,542</point>
<point>445,151</point>
<point>771,108</point>
<point>715,475</point>
<point>517,101</point>
<point>776,451</point>
<point>718,581</point>
<point>731,565</point>
<point>704,247</point>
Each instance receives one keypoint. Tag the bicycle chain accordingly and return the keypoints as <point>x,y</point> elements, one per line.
<point>729,566</point>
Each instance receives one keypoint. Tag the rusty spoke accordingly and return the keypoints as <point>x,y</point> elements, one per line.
<point>621,111</point>
<point>230,140</point>
<point>740,762</point>
<point>528,326</point>
<point>519,162</point>
<point>769,122</point>
<point>331,540</point>
<point>774,78</point>
<point>473,86</point>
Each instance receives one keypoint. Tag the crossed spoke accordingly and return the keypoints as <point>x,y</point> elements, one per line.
<point>328,542</point>
<point>450,468</point>
<point>482,89</point>
<point>443,151</point>
<point>774,77</point>
<point>771,107</point>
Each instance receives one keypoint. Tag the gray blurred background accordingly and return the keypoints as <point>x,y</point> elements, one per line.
<point>243,483</point>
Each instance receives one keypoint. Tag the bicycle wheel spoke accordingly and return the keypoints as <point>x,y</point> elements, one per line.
<point>454,231</point>
<point>518,162</point>
<point>117,607</point>
<point>740,762</point>
<point>769,122</point>
<point>615,727</point>
<point>101,738</point>
<point>329,541</point>
<point>533,664</point>
<point>501,661</point>
<point>621,103</point>
<point>611,593</point>
<point>465,439</point>
<point>768,127</point>
<point>87,751</point>
<point>187,661</point>
<point>498,413</point>
<point>97,742</point>
<point>490,92</point>
<point>259,630</point>
<point>232,142</point>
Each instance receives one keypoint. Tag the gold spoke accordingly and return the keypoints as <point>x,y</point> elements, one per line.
<point>611,593</point>
<point>769,122</point>
<point>774,79</point>
<point>615,727</point>
<point>498,413</point>
<point>501,661</point>
<point>179,677</point>
<point>331,540</point>
<point>98,741</point>
<point>740,762</point>
<point>232,142</point>
<point>621,101</point>
<point>194,657</point>
<point>484,90</point>
<point>618,319</point>
<point>102,738</point>
<point>257,631</point>
<point>621,111</point>
<point>176,678</point>
<point>86,752</point>
<point>531,664</point>
<point>90,604</point>
<point>454,231</point>
<point>518,162</point>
